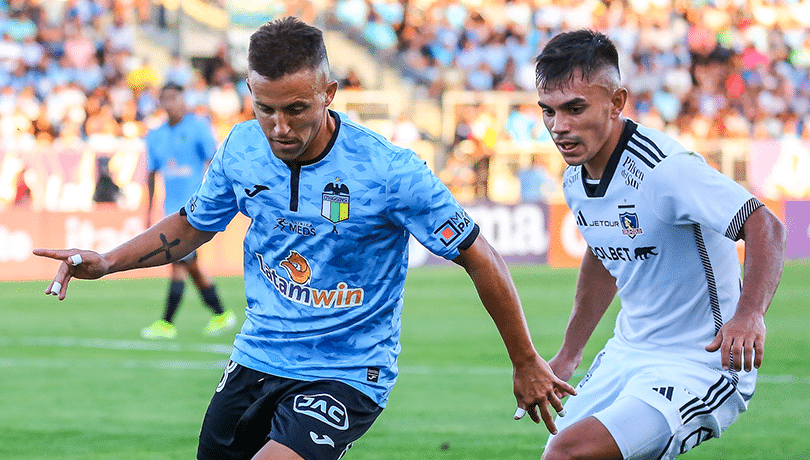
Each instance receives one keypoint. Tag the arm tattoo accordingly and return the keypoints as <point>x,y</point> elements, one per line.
<point>165,248</point>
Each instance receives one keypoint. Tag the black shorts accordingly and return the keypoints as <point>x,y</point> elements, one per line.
<point>318,419</point>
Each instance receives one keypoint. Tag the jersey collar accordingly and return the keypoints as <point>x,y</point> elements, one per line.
<point>610,169</point>
<point>328,147</point>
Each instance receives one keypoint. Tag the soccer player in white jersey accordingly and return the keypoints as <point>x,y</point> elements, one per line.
<point>661,227</point>
<point>332,207</point>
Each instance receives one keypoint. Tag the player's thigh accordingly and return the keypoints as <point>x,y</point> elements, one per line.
<point>229,430</point>
<point>704,404</point>
<point>585,439</point>
<point>600,386</point>
<point>316,420</point>
<point>275,451</point>
<point>638,430</point>
<point>322,419</point>
<point>697,403</point>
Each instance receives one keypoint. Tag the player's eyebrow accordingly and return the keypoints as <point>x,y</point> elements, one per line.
<point>570,103</point>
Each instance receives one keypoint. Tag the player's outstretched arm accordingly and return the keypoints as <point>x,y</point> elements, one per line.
<point>535,385</point>
<point>595,290</point>
<point>741,340</point>
<point>169,240</point>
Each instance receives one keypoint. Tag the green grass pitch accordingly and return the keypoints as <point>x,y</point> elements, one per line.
<point>78,383</point>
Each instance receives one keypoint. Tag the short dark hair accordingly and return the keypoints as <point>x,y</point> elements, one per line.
<point>584,50</point>
<point>285,46</point>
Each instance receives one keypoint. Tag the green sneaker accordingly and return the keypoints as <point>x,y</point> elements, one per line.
<point>160,329</point>
<point>220,323</point>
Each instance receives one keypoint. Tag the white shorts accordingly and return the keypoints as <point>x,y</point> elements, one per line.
<point>675,404</point>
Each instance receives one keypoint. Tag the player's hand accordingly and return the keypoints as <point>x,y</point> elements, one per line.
<point>741,342</point>
<point>563,367</point>
<point>535,387</point>
<point>75,264</point>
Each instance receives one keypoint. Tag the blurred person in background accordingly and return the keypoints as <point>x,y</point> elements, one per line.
<point>661,227</point>
<point>536,184</point>
<point>332,207</point>
<point>106,190</point>
<point>180,150</point>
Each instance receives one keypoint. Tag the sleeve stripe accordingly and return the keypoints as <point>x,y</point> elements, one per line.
<point>470,238</point>
<point>736,225</point>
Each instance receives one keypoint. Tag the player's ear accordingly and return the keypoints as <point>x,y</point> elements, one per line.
<point>331,89</point>
<point>618,100</point>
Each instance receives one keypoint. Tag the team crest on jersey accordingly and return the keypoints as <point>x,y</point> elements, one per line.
<point>296,286</point>
<point>335,202</point>
<point>629,223</point>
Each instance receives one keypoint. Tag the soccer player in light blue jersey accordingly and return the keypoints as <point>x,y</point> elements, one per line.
<point>333,206</point>
<point>179,150</point>
<point>661,226</point>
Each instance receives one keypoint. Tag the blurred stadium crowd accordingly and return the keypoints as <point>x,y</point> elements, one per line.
<point>711,68</point>
<point>76,97</point>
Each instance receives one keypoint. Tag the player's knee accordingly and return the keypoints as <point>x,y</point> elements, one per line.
<point>563,448</point>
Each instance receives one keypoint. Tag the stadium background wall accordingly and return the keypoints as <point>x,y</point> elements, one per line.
<point>524,234</point>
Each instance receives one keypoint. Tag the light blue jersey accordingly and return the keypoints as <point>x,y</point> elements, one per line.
<point>180,153</point>
<point>327,250</point>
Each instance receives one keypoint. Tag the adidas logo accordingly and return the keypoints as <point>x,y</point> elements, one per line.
<point>581,220</point>
<point>665,392</point>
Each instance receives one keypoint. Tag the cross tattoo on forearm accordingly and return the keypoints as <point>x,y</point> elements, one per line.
<point>165,248</point>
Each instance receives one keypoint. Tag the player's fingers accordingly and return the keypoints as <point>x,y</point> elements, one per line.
<point>548,419</point>
<point>725,354</point>
<point>748,349</point>
<point>58,286</point>
<point>63,292</point>
<point>53,288</point>
<point>555,402</point>
<point>715,345</point>
<point>532,410</point>
<point>58,254</point>
<point>737,354</point>
<point>75,259</point>
<point>759,351</point>
<point>565,388</point>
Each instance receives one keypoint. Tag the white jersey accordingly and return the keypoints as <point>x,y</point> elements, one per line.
<point>664,224</point>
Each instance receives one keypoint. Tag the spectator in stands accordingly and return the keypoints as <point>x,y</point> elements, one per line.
<point>351,81</point>
<point>766,51</point>
<point>218,69</point>
<point>79,48</point>
<point>405,133</point>
<point>179,71</point>
<point>87,12</point>
<point>120,34</point>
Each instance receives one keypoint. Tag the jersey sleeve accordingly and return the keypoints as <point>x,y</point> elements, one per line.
<point>214,203</point>
<point>418,201</point>
<point>684,189</point>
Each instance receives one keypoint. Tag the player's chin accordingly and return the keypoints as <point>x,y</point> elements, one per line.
<point>286,152</point>
<point>574,160</point>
